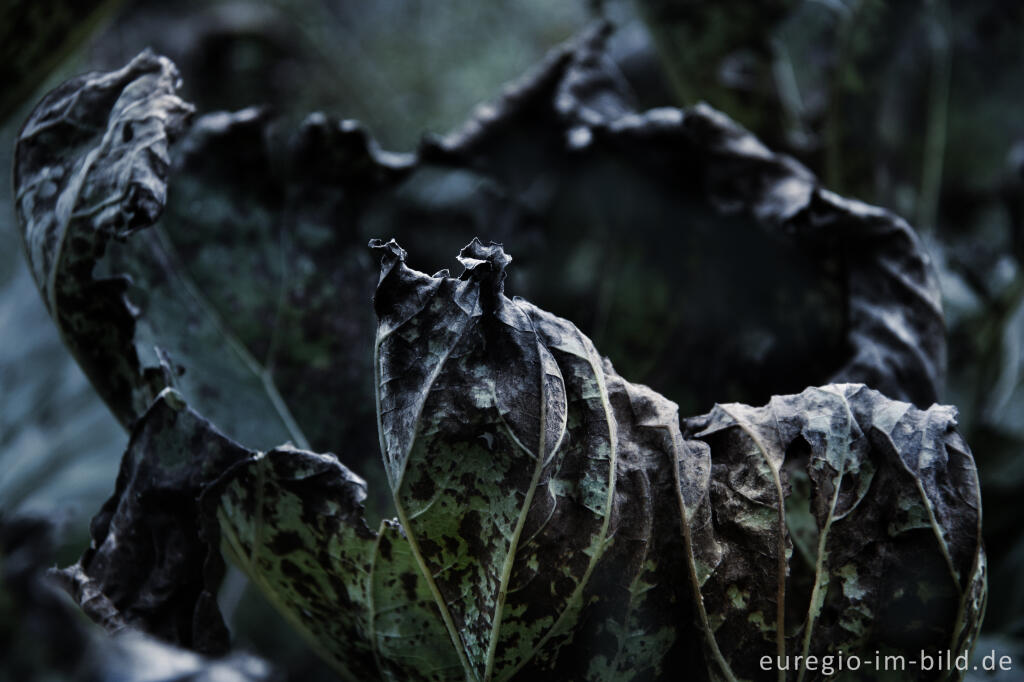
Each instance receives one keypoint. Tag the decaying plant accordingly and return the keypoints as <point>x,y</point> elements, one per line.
<point>553,519</point>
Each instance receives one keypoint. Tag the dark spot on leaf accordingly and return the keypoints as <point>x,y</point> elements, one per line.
<point>409,584</point>
<point>285,542</point>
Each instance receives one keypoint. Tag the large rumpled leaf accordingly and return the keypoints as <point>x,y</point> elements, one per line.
<point>91,167</point>
<point>247,285</point>
<point>625,197</point>
<point>499,443</point>
<point>909,106</point>
<point>554,520</point>
<point>548,509</point>
<point>837,488</point>
<point>502,447</point>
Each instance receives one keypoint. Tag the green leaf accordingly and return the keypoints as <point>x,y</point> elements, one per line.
<point>292,520</point>
<point>405,623</point>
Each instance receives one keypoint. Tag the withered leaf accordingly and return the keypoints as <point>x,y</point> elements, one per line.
<point>91,167</point>
<point>234,288</point>
<point>842,521</point>
<point>504,450</point>
<point>43,637</point>
<point>248,283</point>
<point>147,566</point>
<point>556,521</point>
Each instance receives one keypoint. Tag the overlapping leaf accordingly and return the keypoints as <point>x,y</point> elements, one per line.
<point>247,284</point>
<point>500,446</point>
<point>553,520</point>
<point>147,566</point>
<point>293,521</point>
<point>863,486</point>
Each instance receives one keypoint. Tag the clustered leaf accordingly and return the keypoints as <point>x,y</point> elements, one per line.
<point>247,281</point>
<point>494,413</point>
<point>554,520</point>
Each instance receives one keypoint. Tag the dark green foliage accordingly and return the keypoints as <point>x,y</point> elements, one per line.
<point>224,257</point>
<point>554,520</point>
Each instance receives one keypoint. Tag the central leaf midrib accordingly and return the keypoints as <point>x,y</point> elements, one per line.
<point>819,569</point>
<point>510,556</point>
<point>691,564</point>
<point>403,518</point>
<point>598,370</point>
<point>781,565</point>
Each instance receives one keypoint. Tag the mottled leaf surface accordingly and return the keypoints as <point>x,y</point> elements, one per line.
<point>842,521</point>
<point>504,432</point>
<point>293,521</point>
<point>405,623</point>
<point>787,525</point>
<point>497,432</point>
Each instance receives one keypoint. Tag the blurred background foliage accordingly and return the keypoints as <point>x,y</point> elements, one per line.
<point>912,105</point>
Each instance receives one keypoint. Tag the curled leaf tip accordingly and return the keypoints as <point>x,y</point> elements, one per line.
<point>486,264</point>
<point>492,257</point>
<point>389,250</point>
